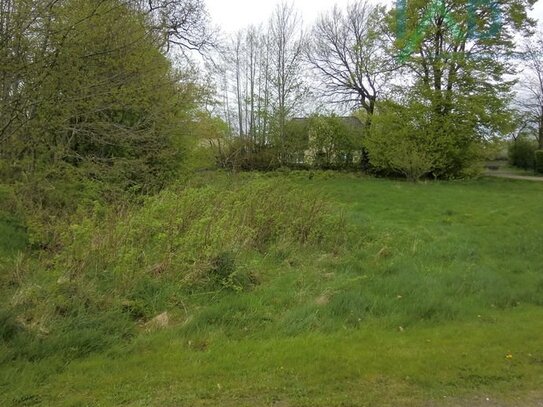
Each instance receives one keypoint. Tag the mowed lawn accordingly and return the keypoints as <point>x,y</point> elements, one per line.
<point>436,300</point>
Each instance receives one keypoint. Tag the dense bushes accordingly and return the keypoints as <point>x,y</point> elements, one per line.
<point>522,153</point>
<point>334,142</point>
<point>101,111</point>
<point>539,161</point>
<point>241,154</point>
<point>399,144</point>
<point>111,106</point>
<point>412,141</point>
<point>315,142</point>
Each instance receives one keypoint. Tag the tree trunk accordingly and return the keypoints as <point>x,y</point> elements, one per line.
<point>540,130</point>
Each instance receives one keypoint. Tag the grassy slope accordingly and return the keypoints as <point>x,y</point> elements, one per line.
<point>445,282</point>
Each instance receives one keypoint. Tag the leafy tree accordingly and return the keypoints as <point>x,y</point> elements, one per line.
<point>25,64</point>
<point>539,161</point>
<point>297,141</point>
<point>459,57</point>
<point>108,105</point>
<point>91,107</point>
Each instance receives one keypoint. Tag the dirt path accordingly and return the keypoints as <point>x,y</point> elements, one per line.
<point>513,176</point>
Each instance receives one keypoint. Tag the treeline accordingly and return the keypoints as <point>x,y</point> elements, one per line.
<point>431,82</point>
<point>99,99</point>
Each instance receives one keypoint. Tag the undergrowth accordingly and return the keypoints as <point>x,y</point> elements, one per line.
<point>117,269</point>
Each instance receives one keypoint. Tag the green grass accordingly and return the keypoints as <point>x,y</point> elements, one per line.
<point>366,366</point>
<point>12,236</point>
<point>439,283</point>
<point>12,233</point>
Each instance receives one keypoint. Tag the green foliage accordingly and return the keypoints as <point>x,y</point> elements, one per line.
<point>108,115</point>
<point>197,231</point>
<point>296,142</point>
<point>522,153</point>
<point>12,235</point>
<point>409,139</point>
<point>539,161</point>
<point>210,143</point>
<point>334,142</point>
<point>246,154</point>
<point>239,153</point>
<point>118,127</point>
<point>317,142</point>
<point>399,143</point>
<point>465,94</point>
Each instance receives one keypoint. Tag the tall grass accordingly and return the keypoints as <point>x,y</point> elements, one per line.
<point>121,268</point>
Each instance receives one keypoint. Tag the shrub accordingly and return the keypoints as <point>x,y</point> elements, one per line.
<point>403,154</point>
<point>422,135</point>
<point>245,155</point>
<point>522,153</point>
<point>334,142</point>
<point>539,161</point>
<point>398,145</point>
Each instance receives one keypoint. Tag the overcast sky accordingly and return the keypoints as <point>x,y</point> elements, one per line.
<point>232,15</point>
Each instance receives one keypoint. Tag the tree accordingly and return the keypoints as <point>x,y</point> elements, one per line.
<point>334,140</point>
<point>286,42</point>
<point>27,60</point>
<point>447,51</point>
<point>90,95</point>
<point>348,53</point>
<point>262,82</point>
<point>532,85</point>
<point>181,23</point>
<point>459,56</point>
<point>522,153</point>
<point>91,107</point>
<point>26,63</point>
<point>243,72</point>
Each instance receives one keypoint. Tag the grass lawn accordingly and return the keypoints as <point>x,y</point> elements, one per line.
<point>438,300</point>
